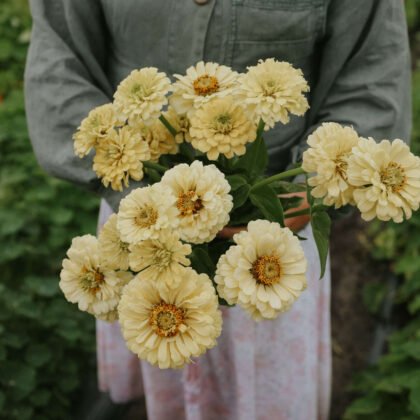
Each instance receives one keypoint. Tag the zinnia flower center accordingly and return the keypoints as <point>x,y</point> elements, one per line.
<point>269,87</point>
<point>146,217</point>
<point>163,257</point>
<point>266,269</point>
<point>341,166</point>
<point>205,85</point>
<point>393,176</point>
<point>166,319</point>
<point>91,280</point>
<point>223,123</point>
<point>189,203</point>
<point>139,91</point>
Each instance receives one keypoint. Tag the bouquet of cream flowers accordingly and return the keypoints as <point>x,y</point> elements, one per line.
<point>158,265</point>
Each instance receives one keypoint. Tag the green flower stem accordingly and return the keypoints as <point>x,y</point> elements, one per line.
<point>153,165</point>
<point>282,175</point>
<point>168,125</point>
<point>297,213</point>
<point>260,129</point>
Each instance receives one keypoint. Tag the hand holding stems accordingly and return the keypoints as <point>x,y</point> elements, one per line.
<point>294,222</point>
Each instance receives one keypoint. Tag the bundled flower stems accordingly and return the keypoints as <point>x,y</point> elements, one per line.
<point>158,265</point>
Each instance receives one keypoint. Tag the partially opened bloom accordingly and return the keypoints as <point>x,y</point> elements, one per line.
<point>272,90</point>
<point>160,259</point>
<point>327,157</point>
<point>94,128</point>
<point>119,157</point>
<point>142,94</point>
<point>265,272</point>
<point>221,127</point>
<point>201,83</point>
<point>160,140</point>
<point>114,252</point>
<point>169,326</point>
<point>202,200</point>
<point>145,212</point>
<point>387,179</point>
<point>181,124</point>
<point>85,280</point>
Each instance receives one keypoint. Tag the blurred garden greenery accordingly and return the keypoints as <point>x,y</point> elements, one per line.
<point>47,345</point>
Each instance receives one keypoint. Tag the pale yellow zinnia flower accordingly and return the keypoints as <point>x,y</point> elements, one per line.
<point>145,212</point>
<point>265,272</point>
<point>114,252</point>
<point>272,90</point>
<point>160,259</point>
<point>221,127</point>
<point>168,326</point>
<point>181,124</point>
<point>142,94</point>
<point>387,179</point>
<point>202,200</point>
<point>201,83</point>
<point>119,157</point>
<point>85,280</point>
<point>95,127</point>
<point>330,147</point>
<point>157,136</point>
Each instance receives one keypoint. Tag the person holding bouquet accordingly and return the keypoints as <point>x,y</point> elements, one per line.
<point>354,55</point>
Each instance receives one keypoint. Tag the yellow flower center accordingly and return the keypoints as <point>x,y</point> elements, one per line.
<point>162,257</point>
<point>341,166</point>
<point>223,123</point>
<point>393,176</point>
<point>266,270</point>
<point>166,319</point>
<point>189,203</point>
<point>139,91</point>
<point>146,217</point>
<point>91,280</point>
<point>269,87</point>
<point>205,85</point>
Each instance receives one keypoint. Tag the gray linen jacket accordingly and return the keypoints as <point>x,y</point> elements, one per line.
<point>354,53</point>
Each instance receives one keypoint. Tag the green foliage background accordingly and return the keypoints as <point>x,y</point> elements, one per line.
<point>390,390</point>
<point>46,344</point>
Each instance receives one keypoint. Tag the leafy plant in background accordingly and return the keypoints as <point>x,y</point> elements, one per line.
<point>391,388</point>
<point>46,345</point>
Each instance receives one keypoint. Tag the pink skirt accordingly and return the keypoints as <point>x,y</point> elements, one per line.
<point>278,369</point>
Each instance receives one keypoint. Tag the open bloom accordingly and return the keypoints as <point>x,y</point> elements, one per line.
<point>201,83</point>
<point>145,212</point>
<point>387,179</point>
<point>221,127</point>
<point>160,259</point>
<point>94,128</point>
<point>265,272</point>
<point>142,94</point>
<point>114,252</point>
<point>272,89</point>
<point>168,326</point>
<point>202,200</point>
<point>119,156</point>
<point>156,135</point>
<point>85,280</point>
<point>327,157</point>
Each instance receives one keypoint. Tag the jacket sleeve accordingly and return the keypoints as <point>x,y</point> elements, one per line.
<point>64,80</point>
<point>364,75</point>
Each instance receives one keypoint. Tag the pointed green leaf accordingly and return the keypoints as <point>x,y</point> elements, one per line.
<point>255,160</point>
<point>266,200</point>
<point>321,225</point>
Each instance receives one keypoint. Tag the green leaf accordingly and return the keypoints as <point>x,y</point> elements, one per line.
<point>42,286</point>
<point>321,225</point>
<point>41,397</point>
<point>240,196</point>
<point>20,378</point>
<point>236,181</point>
<point>266,200</point>
<point>365,405</point>
<point>284,187</point>
<point>373,296</point>
<point>415,398</point>
<point>153,175</point>
<point>255,160</point>
<point>37,355</point>
<point>201,261</point>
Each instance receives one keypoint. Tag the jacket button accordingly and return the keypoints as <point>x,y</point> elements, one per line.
<point>201,2</point>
